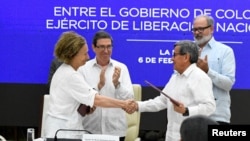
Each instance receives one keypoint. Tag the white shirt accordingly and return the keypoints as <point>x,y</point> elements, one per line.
<point>68,89</point>
<point>193,88</point>
<point>111,121</point>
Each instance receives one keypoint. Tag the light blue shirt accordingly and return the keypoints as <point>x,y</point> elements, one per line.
<point>221,62</point>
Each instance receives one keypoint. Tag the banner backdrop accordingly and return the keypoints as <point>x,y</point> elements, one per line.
<point>144,32</point>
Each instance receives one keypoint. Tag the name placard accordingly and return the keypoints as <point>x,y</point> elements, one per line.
<point>99,137</point>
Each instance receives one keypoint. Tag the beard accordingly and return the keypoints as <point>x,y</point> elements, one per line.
<point>203,40</point>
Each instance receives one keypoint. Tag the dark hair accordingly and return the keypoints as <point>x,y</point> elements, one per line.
<point>68,46</point>
<point>101,35</point>
<point>189,47</point>
<point>195,128</point>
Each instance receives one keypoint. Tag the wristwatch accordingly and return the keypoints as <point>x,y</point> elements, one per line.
<point>186,112</point>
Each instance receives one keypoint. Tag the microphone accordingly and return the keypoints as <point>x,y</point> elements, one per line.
<point>55,138</point>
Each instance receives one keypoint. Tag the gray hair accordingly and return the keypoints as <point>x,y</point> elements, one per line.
<point>210,19</point>
<point>189,47</point>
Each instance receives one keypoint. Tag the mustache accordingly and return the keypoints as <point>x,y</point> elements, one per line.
<point>199,39</point>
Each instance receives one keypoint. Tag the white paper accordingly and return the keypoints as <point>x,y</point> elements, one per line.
<point>99,137</point>
<point>40,139</point>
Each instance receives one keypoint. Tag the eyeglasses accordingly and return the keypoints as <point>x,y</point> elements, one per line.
<point>200,29</point>
<point>175,54</point>
<point>109,47</point>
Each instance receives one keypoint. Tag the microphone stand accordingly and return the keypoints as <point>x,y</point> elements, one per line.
<point>55,138</point>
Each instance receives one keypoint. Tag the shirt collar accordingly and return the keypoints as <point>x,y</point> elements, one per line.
<point>211,43</point>
<point>94,62</point>
<point>187,72</point>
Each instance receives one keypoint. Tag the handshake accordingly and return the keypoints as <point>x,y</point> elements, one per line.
<point>130,106</point>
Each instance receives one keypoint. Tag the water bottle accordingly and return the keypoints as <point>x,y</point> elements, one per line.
<point>30,134</point>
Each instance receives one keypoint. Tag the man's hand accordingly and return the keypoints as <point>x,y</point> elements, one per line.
<point>131,106</point>
<point>116,76</point>
<point>102,78</point>
<point>180,109</point>
<point>203,64</point>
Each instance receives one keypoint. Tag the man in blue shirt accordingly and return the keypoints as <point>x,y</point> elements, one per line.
<point>218,61</point>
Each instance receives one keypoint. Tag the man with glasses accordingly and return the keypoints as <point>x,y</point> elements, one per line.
<point>189,86</point>
<point>218,61</point>
<point>109,77</point>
